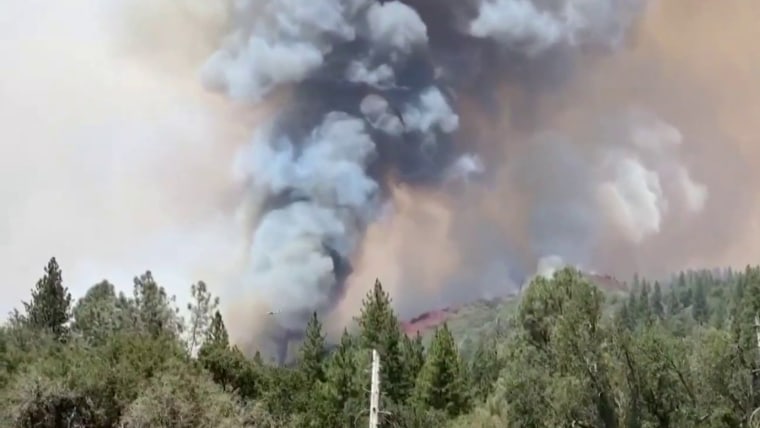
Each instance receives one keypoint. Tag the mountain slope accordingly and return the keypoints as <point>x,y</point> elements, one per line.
<point>480,315</point>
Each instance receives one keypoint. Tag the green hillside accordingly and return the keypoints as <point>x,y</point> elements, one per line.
<point>572,351</point>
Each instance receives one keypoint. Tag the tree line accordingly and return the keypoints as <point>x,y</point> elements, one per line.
<point>682,353</point>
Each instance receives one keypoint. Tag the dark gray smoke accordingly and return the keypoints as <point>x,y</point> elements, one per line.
<point>375,89</point>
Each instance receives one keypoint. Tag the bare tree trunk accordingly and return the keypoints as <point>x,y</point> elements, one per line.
<point>374,397</point>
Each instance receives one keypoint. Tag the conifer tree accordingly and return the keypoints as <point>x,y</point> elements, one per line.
<point>685,292</point>
<point>341,384</point>
<point>737,295</point>
<point>699,309</point>
<point>745,331</point>
<point>312,353</point>
<point>257,359</point>
<point>201,310</point>
<point>50,307</point>
<point>225,365</point>
<point>681,282</point>
<point>644,309</point>
<point>631,313</point>
<point>624,316</point>
<point>414,356</point>
<point>217,332</point>
<point>380,330</point>
<point>376,316</point>
<point>485,368</point>
<point>96,316</point>
<point>658,308</point>
<point>156,314</point>
<point>440,384</point>
<point>673,303</point>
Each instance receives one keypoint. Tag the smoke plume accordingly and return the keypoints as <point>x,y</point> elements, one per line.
<point>374,91</point>
<point>289,152</point>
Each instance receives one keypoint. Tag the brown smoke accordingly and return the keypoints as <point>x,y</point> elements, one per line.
<point>694,65</point>
<point>702,81</point>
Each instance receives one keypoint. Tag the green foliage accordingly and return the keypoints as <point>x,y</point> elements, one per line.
<point>312,354</point>
<point>413,356</point>
<point>202,309</point>
<point>50,307</point>
<point>678,353</point>
<point>658,305</point>
<point>182,398</point>
<point>99,314</point>
<point>441,384</point>
<point>227,366</point>
<point>485,368</point>
<point>380,330</point>
<point>153,310</point>
<point>559,365</point>
<point>699,310</point>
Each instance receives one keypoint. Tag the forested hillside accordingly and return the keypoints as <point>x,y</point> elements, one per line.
<point>566,354</point>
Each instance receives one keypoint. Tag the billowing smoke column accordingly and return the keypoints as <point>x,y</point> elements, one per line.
<point>373,89</point>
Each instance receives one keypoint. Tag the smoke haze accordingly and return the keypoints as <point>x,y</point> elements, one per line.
<point>290,152</point>
<point>112,159</point>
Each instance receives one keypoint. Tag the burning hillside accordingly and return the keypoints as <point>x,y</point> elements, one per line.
<point>430,320</point>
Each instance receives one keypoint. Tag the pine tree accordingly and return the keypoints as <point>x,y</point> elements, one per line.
<point>341,386</point>
<point>156,314</point>
<point>560,358</point>
<point>50,307</point>
<point>228,367</point>
<point>201,311</point>
<point>631,313</point>
<point>681,282</point>
<point>745,331</point>
<point>718,318</point>
<point>440,384</point>
<point>217,332</point>
<point>414,356</point>
<point>624,316</point>
<point>96,316</point>
<point>376,316</point>
<point>673,304</point>
<point>699,309</point>
<point>485,368</point>
<point>644,309</point>
<point>380,330</point>
<point>312,353</point>
<point>658,308</point>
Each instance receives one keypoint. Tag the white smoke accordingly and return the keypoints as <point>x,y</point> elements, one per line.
<point>634,198</point>
<point>381,77</point>
<point>289,266</point>
<point>276,42</point>
<point>525,26</point>
<point>630,181</point>
<point>465,167</point>
<point>518,23</point>
<point>645,179</point>
<point>397,26</point>
<point>431,113</point>
<point>548,265</point>
<point>329,198</point>
<point>380,115</point>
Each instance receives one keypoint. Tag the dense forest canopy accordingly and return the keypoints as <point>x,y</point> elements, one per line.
<point>685,353</point>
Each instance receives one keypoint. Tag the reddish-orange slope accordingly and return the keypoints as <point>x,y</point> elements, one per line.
<point>434,318</point>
